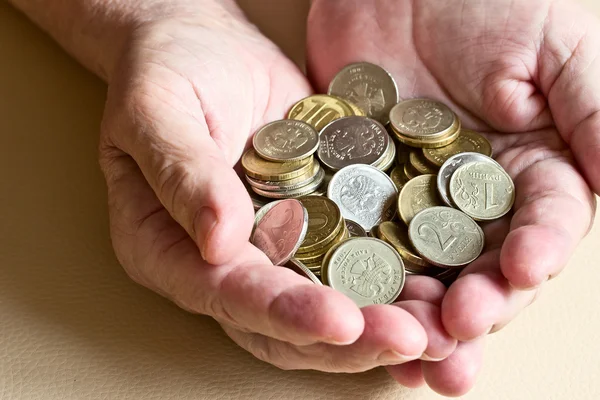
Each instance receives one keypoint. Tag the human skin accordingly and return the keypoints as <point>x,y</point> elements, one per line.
<point>528,73</point>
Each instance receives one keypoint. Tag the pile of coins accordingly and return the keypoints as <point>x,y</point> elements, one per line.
<point>375,203</point>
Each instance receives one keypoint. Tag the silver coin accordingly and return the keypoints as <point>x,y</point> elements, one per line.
<point>288,194</point>
<point>368,271</point>
<point>352,140</point>
<point>294,183</point>
<point>286,140</point>
<point>354,229</point>
<point>368,86</point>
<point>303,270</point>
<point>450,166</point>
<point>364,194</point>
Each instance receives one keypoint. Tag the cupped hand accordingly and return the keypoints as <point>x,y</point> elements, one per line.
<point>189,92</point>
<point>527,72</point>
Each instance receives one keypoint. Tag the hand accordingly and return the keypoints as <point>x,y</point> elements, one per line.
<point>188,94</point>
<point>525,69</point>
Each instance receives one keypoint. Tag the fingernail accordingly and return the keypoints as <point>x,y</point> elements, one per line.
<point>425,357</point>
<point>207,220</point>
<point>393,357</point>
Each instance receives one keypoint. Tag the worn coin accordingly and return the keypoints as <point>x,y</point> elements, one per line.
<point>418,194</point>
<point>368,271</point>
<point>324,222</point>
<point>290,184</point>
<point>369,86</point>
<point>281,230</point>
<point>420,163</point>
<point>446,237</point>
<point>410,171</point>
<point>450,166</point>
<point>482,190</point>
<point>364,194</point>
<point>354,229</point>
<point>397,236</point>
<point>286,140</point>
<point>402,151</point>
<point>352,140</point>
<point>319,110</point>
<point>468,141</point>
<point>422,119</point>
<point>263,210</point>
<point>301,269</point>
<point>399,177</point>
<point>259,168</point>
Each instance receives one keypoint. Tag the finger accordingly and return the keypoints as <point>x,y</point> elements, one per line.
<point>439,343</point>
<point>391,336</point>
<point>409,374</point>
<point>457,374</point>
<point>247,292</point>
<point>419,287</point>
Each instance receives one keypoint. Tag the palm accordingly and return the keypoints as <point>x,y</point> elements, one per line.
<point>487,62</point>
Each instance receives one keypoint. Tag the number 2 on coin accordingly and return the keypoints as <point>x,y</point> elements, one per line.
<point>444,245</point>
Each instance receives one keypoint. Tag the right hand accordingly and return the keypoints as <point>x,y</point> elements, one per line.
<point>182,105</point>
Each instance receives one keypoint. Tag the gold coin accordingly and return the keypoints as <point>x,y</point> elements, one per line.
<point>418,194</point>
<point>422,119</point>
<point>286,140</point>
<point>482,190</point>
<point>354,229</point>
<point>388,158</point>
<point>259,168</point>
<point>293,193</point>
<point>319,110</point>
<point>420,163</point>
<point>402,151</point>
<point>468,141</point>
<point>344,233</point>
<point>374,233</point>
<point>289,184</point>
<point>410,171</point>
<point>399,177</point>
<point>441,141</point>
<point>324,222</point>
<point>356,109</point>
<point>397,236</point>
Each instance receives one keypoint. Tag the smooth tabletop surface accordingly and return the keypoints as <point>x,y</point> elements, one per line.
<point>73,326</point>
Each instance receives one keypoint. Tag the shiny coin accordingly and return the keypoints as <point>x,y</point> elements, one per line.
<point>301,269</point>
<point>420,163</point>
<point>397,236</point>
<point>259,168</point>
<point>324,222</point>
<point>422,119</point>
<point>450,166</point>
<point>257,201</point>
<point>374,232</point>
<point>482,190</point>
<point>290,184</point>
<point>286,140</point>
<point>388,158</point>
<point>293,193</point>
<point>364,194</point>
<point>418,194</point>
<point>410,171</point>
<point>263,210</point>
<point>368,86</point>
<point>352,140</point>
<point>369,271</point>
<point>281,230</point>
<point>319,110</point>
<point>446,237</point>
<point>467,141</point>
<point>354,229</point>
<point>399,177</point>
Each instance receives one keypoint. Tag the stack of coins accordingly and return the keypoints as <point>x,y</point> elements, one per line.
<point>281,164</point>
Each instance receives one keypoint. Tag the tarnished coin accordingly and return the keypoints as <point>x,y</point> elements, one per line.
<point>468,141</point>
<point>301,269</point>
<point>369,86</point>
<point>399,177</point>
<point>368,271</point>
<point>446,237</point>
<point>422,119</point>
<point>397,236</point>
<point>319,110</point>
<point>354,229</point>
<point>402,152</point>
<point>418,194</point>
<point>420,163</point>
<point>352,140</point>
<point>450,166</point>
<point>259,168</point>
<point>281,230</point>
<point>286,140</point>
<point>482,190</point>
<point>410,171</point>
<point>324,222</point>
<point>364,194</point>
<point>290,184</point>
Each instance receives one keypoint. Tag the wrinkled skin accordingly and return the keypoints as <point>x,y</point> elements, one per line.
<point>527,72</point>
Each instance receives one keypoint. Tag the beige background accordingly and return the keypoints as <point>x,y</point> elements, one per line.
<point>72,326</point>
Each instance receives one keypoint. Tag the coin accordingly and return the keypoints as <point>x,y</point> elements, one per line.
<point>281,230</point>
<point>355,108</point>
<point>368,271</point>
<point>257,201</point>
<point>286,140</point>
<point>259,168</point>
<point>374,232</point>
<point>397,236</point>
<point>402,152</point>
<point>420,163</point>
<point>450,166</point>
<point>467,141</point>
<point>364,194</point>
<point>388,158</point>
<point>354,229</point>
<point>352,140</point>
<point>319,110</point>
<point>324,222</point>
<point>301,269</point>
<point>263,210</point>
<point>446,237</point>
<point>418,194</point>
<point>422,119</point>
<point>410,171</point>
<point>399,177</point>
<point>482,190</point>
<point>290,184</point>
<point>293,193</point>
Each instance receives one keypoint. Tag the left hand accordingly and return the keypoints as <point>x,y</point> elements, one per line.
<point>526,69</point>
